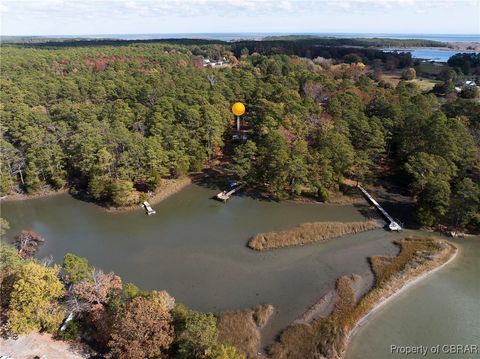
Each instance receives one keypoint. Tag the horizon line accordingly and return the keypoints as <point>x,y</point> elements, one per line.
<point>249,32</point>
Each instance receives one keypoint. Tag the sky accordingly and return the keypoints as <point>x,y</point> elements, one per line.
<point>89,17</point>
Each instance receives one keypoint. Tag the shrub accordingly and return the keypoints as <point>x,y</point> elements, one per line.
<point>196,333</point>
<point>222,351</point>
<point>469,92</point>
<point>409,74</point>
<point>76,268</point>
<point>130,291</point>
<point>71,332</point>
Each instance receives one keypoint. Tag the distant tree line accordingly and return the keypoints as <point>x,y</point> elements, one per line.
<point>469,63</point>
<point>312,49</point>
<point>364,42</point>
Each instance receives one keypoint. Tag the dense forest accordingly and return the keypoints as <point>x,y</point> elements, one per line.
<point>111,122</point>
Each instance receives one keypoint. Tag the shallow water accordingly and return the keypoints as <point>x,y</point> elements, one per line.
<point>442,309</point>
<point>195,248</point>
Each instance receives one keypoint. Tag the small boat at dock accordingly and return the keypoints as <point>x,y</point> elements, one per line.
<point>393,225</point>
<point>148,208</point>
<point>224,196</point>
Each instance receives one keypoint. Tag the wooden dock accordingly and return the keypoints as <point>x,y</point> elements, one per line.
<point>393,225</point>
<point>224,196</point>
<point>148,208</point>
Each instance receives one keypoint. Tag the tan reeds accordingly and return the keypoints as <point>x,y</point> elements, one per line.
<point>308,233</point>
<point>242,328</point>
<point>328,337</point>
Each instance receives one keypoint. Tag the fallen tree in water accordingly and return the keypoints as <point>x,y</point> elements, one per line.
<point>308,233</point>
<point>327,337</point>
<point>27,243</point>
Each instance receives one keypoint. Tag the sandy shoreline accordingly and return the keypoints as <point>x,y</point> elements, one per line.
<point>330,333</point>
<point>23,197</point>
<point>168,188</point>
<point>410,283</point>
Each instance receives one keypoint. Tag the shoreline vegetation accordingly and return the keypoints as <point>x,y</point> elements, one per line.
<point>328,336</point>
<point>307,233</point>
<point>326,328</point>
<point>13,197</point>
<point>168,188</point>
<point>242,329</point>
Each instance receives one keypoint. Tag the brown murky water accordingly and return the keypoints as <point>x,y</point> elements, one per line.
<point>194,247</point>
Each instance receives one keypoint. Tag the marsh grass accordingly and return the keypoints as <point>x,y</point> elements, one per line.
<point>242,328</point>
<point>327,337</point>
<point>308,233</point>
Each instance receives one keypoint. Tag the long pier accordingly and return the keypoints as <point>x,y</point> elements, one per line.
<point>393,225</point>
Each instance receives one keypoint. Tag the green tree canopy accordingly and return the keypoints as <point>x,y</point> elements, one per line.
<point>33,303</point>
<point>76,268</point>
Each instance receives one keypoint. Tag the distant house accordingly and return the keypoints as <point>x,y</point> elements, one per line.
<point>210,63</point>
<point>467,84</point>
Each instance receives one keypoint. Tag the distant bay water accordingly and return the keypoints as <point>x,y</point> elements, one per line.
<point>437,55</point>
<point>429,54</point>
<point>261,35</point>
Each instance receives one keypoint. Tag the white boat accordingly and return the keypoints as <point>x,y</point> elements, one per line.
<point>148,208</point>
<point>394,226</point>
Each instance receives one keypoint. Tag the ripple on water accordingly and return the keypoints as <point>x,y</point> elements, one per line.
<point>442,309</point>
<point>195,248</point>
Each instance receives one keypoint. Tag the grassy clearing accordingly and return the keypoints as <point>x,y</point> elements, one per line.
<point>428,68</point>
<point>308,233</point>
<point>327,337</point>
<point>242,328</point>
<point>423,83</point>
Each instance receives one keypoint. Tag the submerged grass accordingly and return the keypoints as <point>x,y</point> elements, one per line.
<point>308,233</point>
<point>242,328</point>
<point>327,337</point>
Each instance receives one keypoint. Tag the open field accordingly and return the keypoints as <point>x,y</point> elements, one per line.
<point>430,68</point>
<point>423,83</point>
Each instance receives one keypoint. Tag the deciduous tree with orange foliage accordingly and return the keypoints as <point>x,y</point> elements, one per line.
<point>99,288</point>
<point>143,328</point>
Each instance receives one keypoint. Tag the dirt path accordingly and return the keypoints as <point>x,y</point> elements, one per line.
<point>27,346</point>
